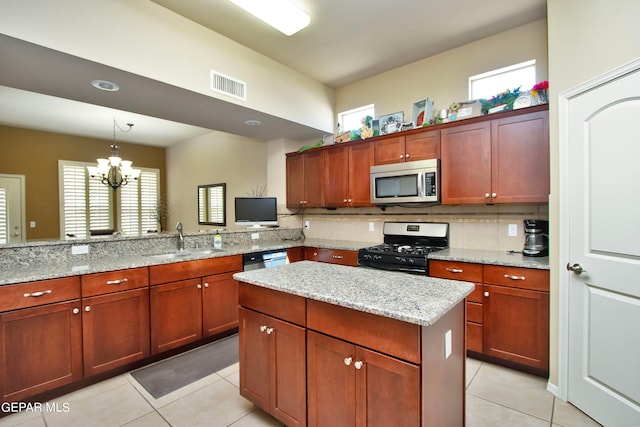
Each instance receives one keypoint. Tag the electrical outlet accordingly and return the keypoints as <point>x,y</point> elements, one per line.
<point>255,236</point>
<point>372,226</point>
<point>79,249</point>
<point>306,224</point>
<point>32,224</point>
<point>513,230</point>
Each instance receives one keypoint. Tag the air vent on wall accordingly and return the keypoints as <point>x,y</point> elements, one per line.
<point>228,85</point>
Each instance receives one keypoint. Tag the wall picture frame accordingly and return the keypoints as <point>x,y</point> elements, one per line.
<point>422,112</point>
<point>391,123</point>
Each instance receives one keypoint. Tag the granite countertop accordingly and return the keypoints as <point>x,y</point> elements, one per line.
<point>410,298</point>
<point>479,256</point>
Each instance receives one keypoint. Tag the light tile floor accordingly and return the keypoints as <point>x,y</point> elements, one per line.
<point>496,397</point>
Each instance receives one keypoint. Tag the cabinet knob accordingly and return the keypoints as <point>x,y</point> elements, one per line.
<point>75,310</point>
<point>347,361</point>
<point>358,364</point>
<point>263,328</point>
<point>486,294</point>
<point>87,309</point>
<point>270,331</point>
<point>349,200</point>
<point>494,195</point>
<point>206,285</point>
<point>406,156</point>
<point>199,286</point>
<point>401,156</point>
<point>486,195</point>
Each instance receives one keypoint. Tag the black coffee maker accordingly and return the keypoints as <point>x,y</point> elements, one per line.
<point>536,237</point>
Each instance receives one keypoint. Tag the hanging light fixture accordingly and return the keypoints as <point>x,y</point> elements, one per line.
<point>114,172</point>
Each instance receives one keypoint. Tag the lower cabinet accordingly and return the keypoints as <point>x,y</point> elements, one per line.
<point>272,360</point>
<point>115,330</point>
<point>219,304</point>
<point>40,349</point>
<point>349,385</point>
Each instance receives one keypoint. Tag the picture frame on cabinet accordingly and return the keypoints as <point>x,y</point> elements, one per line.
<point>422,112</point>
<point>391,123</point>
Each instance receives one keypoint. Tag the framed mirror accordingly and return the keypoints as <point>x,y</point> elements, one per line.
<point>212,204</point>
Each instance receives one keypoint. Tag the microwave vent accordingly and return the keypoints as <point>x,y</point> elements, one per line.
<point>227,85</point>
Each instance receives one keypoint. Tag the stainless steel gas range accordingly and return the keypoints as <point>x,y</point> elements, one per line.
<point>406,246</point>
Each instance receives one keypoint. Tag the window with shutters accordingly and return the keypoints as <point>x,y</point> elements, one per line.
<point>87,205</point>
<point>212,208</point>
<point>4,237</point>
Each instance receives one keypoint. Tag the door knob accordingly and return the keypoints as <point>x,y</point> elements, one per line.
<point>576,268</point>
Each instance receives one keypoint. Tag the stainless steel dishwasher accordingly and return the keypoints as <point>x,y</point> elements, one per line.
<point>265,259</point>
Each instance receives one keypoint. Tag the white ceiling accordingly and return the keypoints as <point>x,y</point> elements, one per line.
<point>345,42</point>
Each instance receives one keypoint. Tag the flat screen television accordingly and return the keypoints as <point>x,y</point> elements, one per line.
<point>256,212</point>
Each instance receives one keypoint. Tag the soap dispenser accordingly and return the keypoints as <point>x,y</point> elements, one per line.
<point>217,240</point>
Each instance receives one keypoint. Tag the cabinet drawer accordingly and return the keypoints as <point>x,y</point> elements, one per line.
<point>474,312</point>
<point>173,272</point>
<point>476,294</point>
<point>114,281</point>
<point>31,294</point>
<point>455,270</point>
<point>474,337</point>
<point>389,336</point>
<point>332,256</point>
<point>516,277</point>
<point>274,303</point>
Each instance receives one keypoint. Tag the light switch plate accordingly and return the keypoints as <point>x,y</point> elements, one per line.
<point>371,226</point>
<point>513,230</point>
<point>255,236</point>
<point>79,249</point>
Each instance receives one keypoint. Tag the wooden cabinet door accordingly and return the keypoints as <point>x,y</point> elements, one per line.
<point>387,390</point>
<point>219,304</point>
<point>314,179</point>
<point>40,349</point>
<point>295,181</point>
<point>360,162</point>
<point>336,168</point>
<point>115,330</point>
<point>288,373</point>
<point>422,146</point>
<point>331,381</point>
<point>272,366</point>
<point>389,150</point>
<point>516,325</point>
<point>176,314</point>
<point>466,164</point>
<point>295,254</point>
<point>520,158</point>
<point>254,357</point>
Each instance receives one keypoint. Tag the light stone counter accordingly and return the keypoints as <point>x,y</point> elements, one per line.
<point>505,258</point>
<point>410,298</point>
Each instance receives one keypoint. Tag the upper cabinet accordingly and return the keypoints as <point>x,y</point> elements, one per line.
<point>504,160</point>
<point>501,158</point>
<point>407,148</point>
<point>305,179</point>
<point>347,175</point>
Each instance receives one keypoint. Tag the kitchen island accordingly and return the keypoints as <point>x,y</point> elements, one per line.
<point>324,344</point>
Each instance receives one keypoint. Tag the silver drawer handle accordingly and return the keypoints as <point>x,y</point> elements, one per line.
<point>508,276</point>
<point>37,294</point>
<point>454,270</point>
<point>338,257</point>
<point>117,282</point>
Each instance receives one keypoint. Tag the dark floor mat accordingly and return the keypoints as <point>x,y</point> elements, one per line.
<point>169,375</point>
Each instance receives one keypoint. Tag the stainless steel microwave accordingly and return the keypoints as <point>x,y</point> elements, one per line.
<point>409,182</point>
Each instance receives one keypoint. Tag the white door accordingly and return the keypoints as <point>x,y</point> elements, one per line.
<point>600,222</point>
<point>12,215</point>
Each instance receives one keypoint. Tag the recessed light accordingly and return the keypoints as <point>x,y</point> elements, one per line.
<point>105,85</point>
<point>252,122</point>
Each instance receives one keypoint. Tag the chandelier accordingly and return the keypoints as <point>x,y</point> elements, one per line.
<point>114,172</point>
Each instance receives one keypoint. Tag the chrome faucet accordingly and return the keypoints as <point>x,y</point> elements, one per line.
<point>180,237</point>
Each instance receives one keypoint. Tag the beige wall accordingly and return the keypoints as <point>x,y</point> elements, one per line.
<point>586,38</point>
<point>209,159</point>
<point>35,154</point>
<point>444,78</point>
<point>146,39</point>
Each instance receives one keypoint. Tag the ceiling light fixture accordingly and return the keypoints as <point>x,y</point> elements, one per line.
<point>114,172</point>
<point>282,15</point>
<point>105,85</point>
<point>252,122</point>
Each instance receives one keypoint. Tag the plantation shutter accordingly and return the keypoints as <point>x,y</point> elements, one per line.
<point>100,217</point>
<point>4,237</point>
<point>149,195</point>
<point>129,208</point>
<point>216,204</point>
<point>74,200</point>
